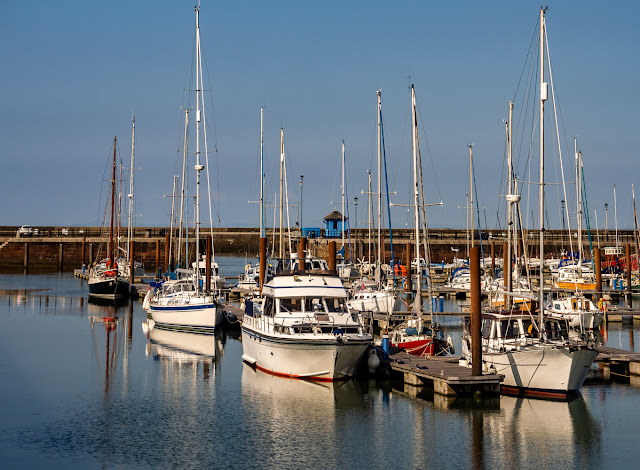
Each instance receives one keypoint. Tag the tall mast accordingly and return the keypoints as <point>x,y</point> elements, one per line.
<point>416,200</point>
<point>281,254</point>
<point>615,214</point>
<point>379,260</point>
<point>578,156</point>
<point>199,167</point>
<point>262,232</point>
<point>182,183</point>
<point>130,195</point>
<point>343,202</point>
<point>113,202</point>
<point>370,210</point>
<point>471,188</point>
<point>543,98</point>
<point>507,261</point>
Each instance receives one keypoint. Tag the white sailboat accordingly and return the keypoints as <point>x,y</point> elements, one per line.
<point>534,357</point>
<point>188,304</point>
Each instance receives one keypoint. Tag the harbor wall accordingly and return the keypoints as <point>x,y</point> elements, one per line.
<point>58,248</point>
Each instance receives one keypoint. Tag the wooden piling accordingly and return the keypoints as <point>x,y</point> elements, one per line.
<point>90,254</point>
<point>84,241</point>
<point>60,257</point>
<point>26,257</point>
<point>158,273</point>
<point>493,258</point>
<point>167,241</point>
<point>476,337</point>
<point>332,255</point>
<point>302,246</point>
<point>598,269</point>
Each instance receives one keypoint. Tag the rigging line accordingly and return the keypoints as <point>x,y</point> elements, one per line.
<point>426,139</point>
<point>532,44</point>
<point>386,181</point>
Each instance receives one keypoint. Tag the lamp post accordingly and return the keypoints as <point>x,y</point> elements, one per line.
<point>355,203</point>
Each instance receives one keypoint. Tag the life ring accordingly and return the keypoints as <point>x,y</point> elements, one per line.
<point>247,267</point>
<point>109,273</point>
<point>404,284</point>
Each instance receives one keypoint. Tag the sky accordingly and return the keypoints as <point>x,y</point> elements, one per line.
<point>74,73</point>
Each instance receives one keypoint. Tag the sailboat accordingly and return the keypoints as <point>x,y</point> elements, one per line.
<point>548,366</point>
<point>414,336</point>
<point>344,267</point>
<point>187,303</point>
<point>105,280</point>
<point>371,295</point>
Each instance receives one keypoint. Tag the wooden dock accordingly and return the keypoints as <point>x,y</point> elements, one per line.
<point>618,361</point>
<point>445,374</point>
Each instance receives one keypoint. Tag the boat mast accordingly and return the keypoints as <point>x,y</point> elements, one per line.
<point>379,260</point>
<point>635,219</point>
<point>113,202</point>
<point>543,98</point>
<point>579,196</point>
<point>507,262</point>
<point>471,187</point>
<point>262,231</point>
<point>130,195</point>
<point>343,251</point>
<point>199,167</point>
<point>182,183</point>
<point>370,212</point>
<point>615,213</point>
<point>417,305</point>
<point>281,254</point>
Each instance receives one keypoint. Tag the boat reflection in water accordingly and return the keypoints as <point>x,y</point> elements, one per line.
<point>553,434</point>
<point>181,347</point>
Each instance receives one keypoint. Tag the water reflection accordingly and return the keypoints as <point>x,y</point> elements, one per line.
<point>182,350</point>
<point>550,433</point>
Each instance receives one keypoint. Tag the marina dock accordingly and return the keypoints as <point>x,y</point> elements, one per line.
<point>444,373</point>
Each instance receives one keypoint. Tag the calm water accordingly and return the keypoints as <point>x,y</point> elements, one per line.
<point>83,386</point>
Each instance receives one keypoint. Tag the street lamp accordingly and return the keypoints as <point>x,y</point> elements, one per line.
<point>606,235</point>
<point>355,203</point>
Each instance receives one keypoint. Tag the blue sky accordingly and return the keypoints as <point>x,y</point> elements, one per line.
<point>72,72</point>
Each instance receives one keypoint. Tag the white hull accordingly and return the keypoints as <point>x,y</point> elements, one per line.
<point>376,302</point>
<point>193,316</point>
<point>587,320</point>
<point>325,358</point>
<point>545,371</point>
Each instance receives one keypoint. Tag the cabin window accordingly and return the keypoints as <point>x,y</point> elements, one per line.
<point>486,329</point>
<point>336,305</point>
<point>313,305</point>
<point>268,307</point>
<point>529,328</point>
<point>509,329</point>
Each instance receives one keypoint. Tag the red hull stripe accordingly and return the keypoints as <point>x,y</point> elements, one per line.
<point>534,392</point>
<point>291,376</point>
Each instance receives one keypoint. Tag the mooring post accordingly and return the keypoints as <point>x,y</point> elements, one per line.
<point>26,257</point>
<point>60,255</point>
<point>598,269</point>
<point>84,241</point>
<point>628,249</point>
<point>263,261</point>
<point>332,255</point>
<point>90,254</point>
<point>476,338</point>
<point>158,270</point>
<point>132,253</point>
<point>493,259</point>
<point>208,261</point>
<point>167,240</point>
<point>302,246</point>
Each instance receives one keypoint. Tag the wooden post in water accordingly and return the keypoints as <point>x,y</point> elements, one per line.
<point>263,261</point>
<point>476,337</point>
<point>90,254</point>
<point>628,253</point>
<point>60,255</point>
<point>84,241</point>
<point>132,253</point>
<point>26,257</point>
<point>208,261</point>
<point>598,269</point>
<point>407,261</point>
<point>158,273</point>
<point>167,240</point>
<point>332,255</point>
<point>302,246</point>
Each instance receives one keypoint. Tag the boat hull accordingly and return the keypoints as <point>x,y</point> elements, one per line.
<point>110,288</point>
<point>329,359</point>
<point>378,302</point>
<point>201,318</point>
<point>575,285</point>
<point>548,372</point>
